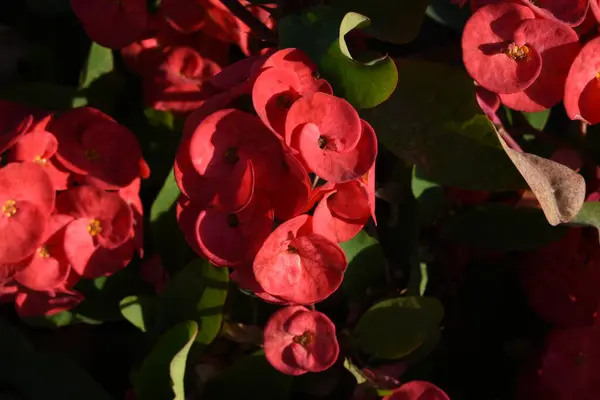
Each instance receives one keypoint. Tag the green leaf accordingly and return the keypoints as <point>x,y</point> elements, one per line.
<point>589,215</point>
<point>397,327</point>
<point>100,61</point>
<point>538,120</point>
<point>407,18</point>
<point>41,375</point>
<point>162,373</point>
<point>433,121</point>
<point>430,196</point>
<point>502,228</point>
<point>448,14</point>
<point>366,265</point>
<point>250,378</point>
<point>320,32</point>
<point>139,311</point>
<point>196,293</point>
<point>167,235</point>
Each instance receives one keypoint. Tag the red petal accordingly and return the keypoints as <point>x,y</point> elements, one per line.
<point>332,165</point>
<point>113,24</point>
<point>336,119</point>
<point>35,304</point>
<point>290,197</point>
<point>35,146</point>
<point>570,12</point>
<point>558,45</point>
<point>88,203</point>
<point>186,16</point>
<point>418,390</point>
<point>582,88</point>
<point>27,182</point>
<point>333,227</point>
<point>484,42</point>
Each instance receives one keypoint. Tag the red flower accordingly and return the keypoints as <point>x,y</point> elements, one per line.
<point>230,239</point>
<point>298,341</point>
<point>26,201</point>
<point>287,76</point>
<point>582,88</point>
<point>110,23</point>
<point>417,390</point>
<point>243,275</point>
<point>490,53</point>
<point>343,212</point>
<point>48,268</point>
<point>297,265</point>
<point>557,45</point>
<point>570,12</point>
<point>232,150</point>
<point>97,242</point>
<point>40,146</point>
<point>93,145</point>
<point>322,151</point>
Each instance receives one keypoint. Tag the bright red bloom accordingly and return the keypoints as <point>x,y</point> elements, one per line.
<point>298,340</point>
<point>48,268</point>
<point>418,390</point>
<point>297,265</point>
<point>26,201</point>
<point>93,145</point>
<point>342,213</point>
<point>570,12</point>
<point>98,241</point>
<point>110,23</point>
<point>320,150</point>
<point>491,54</point>
<point>561,280</point>
<point>558,45</point>
<point>582,88</point>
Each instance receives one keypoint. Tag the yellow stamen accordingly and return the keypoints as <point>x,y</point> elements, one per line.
<point>305,339</point>
<point>40,160</point>
<point>517,52</point>
<point>95,227</point>
<point>9,208</point>
<point>43,252</point>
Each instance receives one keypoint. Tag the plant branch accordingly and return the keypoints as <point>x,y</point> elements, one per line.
<point>257,27</point>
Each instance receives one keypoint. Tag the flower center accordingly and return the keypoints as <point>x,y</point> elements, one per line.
<point>40,160</point>
<point>305,339</point>
<point>292,249</point>
<point>233,221</point>
<point>43,252</point>
<point>322,142</point>
<point>517,53</point>
<point>231,156</point>
<point>92,154</point>
<point>9,208</point>
<point>95,227</point>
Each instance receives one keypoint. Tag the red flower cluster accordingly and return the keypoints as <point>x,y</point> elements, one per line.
<point>241,172</point>
<point>69,204</point>
<point>417,390</point>
<point>177,50</point>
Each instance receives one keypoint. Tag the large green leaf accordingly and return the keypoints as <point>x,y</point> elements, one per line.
<point>42,376</point>
<point>589,215</point>
<point>250,378</point>
<point>196,293</point>
<point>162,372</point>
<point>319,32</point>
<point>433,121</point>
<point>397,327</point>
<point>430,197</point>
<point>538,120</point>
<point>402,28</point>
<point>100,61</point>
<point>366,265</point>
<point>502,228</point>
